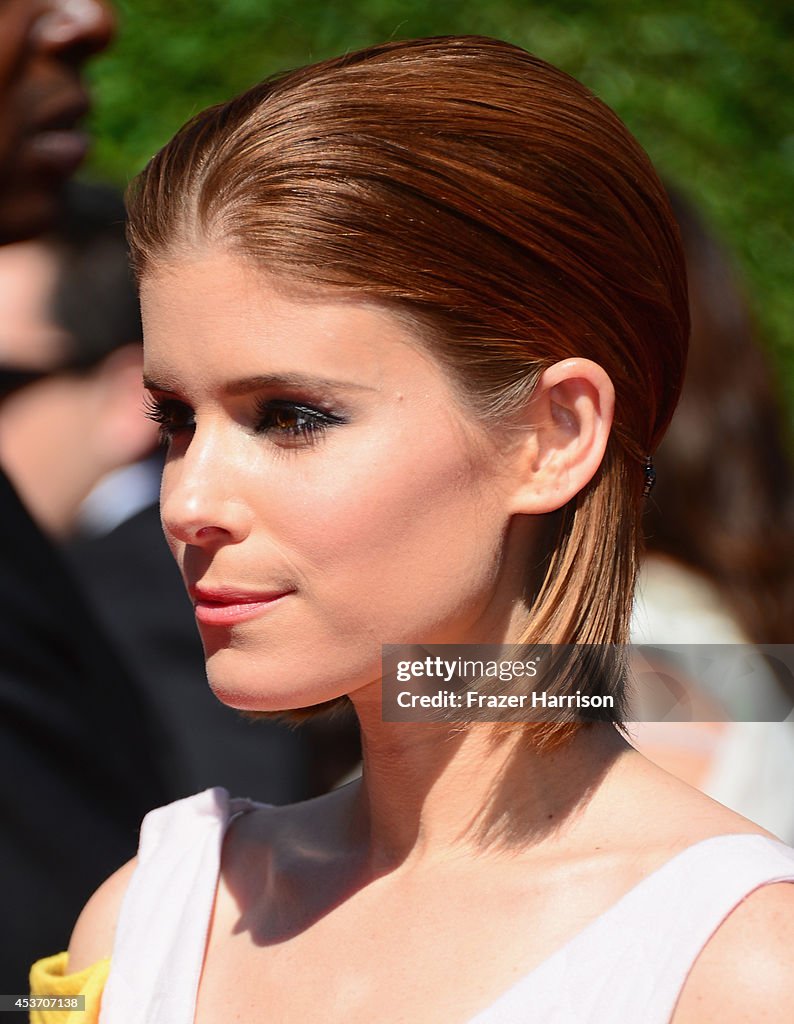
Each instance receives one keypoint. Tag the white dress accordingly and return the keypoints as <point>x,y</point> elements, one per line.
<point>628,965</point>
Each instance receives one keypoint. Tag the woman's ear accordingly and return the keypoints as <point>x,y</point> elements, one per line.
<point>568,422</point>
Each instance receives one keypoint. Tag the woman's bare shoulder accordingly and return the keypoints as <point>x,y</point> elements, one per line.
<point>669,812</point>
<point>92,938</point>
<point>745,973</point>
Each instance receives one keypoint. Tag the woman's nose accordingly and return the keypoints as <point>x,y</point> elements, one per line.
<point>79,27</point>
<point>199,507</point>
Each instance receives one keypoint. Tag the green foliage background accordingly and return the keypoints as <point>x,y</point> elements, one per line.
<point>706,85</point>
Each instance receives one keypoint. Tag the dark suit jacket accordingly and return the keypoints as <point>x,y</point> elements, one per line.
<point>79,749</point>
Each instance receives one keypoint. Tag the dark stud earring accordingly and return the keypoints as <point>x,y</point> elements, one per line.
<point>650,477</point>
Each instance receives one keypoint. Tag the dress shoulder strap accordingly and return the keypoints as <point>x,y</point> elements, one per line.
<point>164,920</point>
<point>631,963</point>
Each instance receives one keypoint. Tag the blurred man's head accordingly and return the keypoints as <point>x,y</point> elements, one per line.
<point>43,47</point>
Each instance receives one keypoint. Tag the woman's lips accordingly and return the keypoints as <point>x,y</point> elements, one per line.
<point>226,611</point>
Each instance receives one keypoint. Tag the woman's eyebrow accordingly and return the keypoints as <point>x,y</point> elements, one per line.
<point>247,385</point>
<point>152,384</point>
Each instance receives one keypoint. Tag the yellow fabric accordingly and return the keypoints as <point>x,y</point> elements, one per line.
<point>48,977</point>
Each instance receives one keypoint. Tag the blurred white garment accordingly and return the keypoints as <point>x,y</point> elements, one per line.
<point>675,605</point>
<point>749,766</point>
<point>119,496</point>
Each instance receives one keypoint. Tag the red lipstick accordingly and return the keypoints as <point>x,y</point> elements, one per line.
<point>225,606</point>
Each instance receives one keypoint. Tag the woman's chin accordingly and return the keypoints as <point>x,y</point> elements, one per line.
<point>266,693</point>
<point>253,683</point>
<point>256,699</point>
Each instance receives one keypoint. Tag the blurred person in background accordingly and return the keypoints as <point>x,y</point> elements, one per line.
<point>719,566</point>
<point>44,45</point>
<point>72,333</point>
<point>75,775</point>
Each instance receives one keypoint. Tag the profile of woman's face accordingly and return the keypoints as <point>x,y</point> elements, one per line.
<point>325,491</point>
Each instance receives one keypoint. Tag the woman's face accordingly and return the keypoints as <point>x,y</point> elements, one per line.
<point>325,492</point>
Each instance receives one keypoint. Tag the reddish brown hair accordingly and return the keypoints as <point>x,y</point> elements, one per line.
<point>504,207</point>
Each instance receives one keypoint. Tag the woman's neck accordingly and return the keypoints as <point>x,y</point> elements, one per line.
<point>439,792</point>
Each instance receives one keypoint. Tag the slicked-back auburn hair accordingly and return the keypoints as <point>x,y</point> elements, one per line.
<point>499,203</point>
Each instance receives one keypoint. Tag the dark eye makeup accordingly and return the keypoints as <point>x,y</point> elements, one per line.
<point>293,421</point>
<point>287,422</point>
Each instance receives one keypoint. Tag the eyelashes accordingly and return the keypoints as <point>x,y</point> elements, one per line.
<point>172,416</point>
<point>289,424</point>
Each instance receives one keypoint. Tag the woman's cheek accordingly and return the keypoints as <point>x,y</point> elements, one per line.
<point>388,542</point>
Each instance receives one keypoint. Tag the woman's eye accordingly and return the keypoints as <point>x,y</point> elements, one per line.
<point>289,424</point>
<point>292,423</point>
<point>173,416</point>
